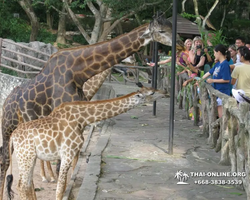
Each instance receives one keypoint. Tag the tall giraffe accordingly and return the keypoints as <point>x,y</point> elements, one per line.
<point>59,136</point>
<point>63,76</point>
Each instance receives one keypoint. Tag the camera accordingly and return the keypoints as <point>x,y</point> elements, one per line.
<point>198,47</point>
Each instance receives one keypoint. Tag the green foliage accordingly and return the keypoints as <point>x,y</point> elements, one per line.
<point>215,37</point>
<point>9,71</point>
<point>121,7</point>
<point>188,15</point>
<point>80,39</point>
<point>46,36</point>
<point>241,23</point>
<point>15,29</point>
<point>63,46</point>
<point>19,31</point>
<point>188,93</point>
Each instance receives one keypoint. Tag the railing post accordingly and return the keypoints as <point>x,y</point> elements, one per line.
<point>154,76</point>
<point>204,99</point>
<point>137,74</point>
<point>196,112</point>
<point>110,76</point>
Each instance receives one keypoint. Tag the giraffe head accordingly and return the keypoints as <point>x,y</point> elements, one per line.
<point>145,94</point>
<point>160,30</point>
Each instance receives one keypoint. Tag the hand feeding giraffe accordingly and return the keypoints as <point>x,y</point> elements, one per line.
<point>64,75</point>
<point>59,136</point>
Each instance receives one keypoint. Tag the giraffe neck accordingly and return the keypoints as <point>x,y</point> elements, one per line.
<point>84,62</point>
<point>85,113</point>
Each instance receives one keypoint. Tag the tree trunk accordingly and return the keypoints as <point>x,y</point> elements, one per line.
<point>98,22</point>
<point>209,13</point>
<point>27,7</point>
<point>183,5</point>
<point>196,9</point>
<point>61,27</point>
<point>224,16</point>
<point>119,29</point>
<point>76,21</point>
<point>49,18</point>
<point>106,25</point>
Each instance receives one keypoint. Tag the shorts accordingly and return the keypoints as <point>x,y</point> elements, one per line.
<point>219,101</point>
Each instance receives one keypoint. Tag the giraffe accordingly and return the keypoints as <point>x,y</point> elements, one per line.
<point>59,136</point>
<point>90,87</point>
<point>63,76</point>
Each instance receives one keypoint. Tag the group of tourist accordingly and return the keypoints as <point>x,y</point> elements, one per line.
<point>227,69</point>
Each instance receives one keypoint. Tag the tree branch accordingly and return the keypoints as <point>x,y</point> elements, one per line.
<point>209,13</point>
<point>183,5</point>
<point>92,7</point>
<point>76,21</point>
<point>224,16</point>
<point>98,22</point>
<point>60,12</point>
<point>99,2</point>
<point>196,10</point>
<point>131,12</point>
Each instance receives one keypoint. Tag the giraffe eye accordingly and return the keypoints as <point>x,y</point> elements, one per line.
<point>139,95</point>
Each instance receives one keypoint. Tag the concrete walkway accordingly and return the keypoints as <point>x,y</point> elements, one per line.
<point>130,160</point>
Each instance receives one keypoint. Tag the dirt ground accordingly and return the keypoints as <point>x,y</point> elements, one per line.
<point>47,191</point>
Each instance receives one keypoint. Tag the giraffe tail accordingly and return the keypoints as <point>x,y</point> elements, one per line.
<point>9,179</point>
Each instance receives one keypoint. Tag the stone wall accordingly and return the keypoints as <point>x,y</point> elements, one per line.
<point>7,84</point>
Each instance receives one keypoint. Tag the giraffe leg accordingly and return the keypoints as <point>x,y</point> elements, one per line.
<point>26,164</point>
<point>42,172</point>
<point>26,189</point>
<point>58,165</point>
<point>75,162</point>
<point>33,191</point>
<point>2,181</point>
<point>4,165</point>
<point>51,174</point>
<point>62,178</point>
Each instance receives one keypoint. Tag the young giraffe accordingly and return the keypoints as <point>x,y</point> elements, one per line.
<point>59,136</point>
<point>62,78</point>
<point>90,87</point>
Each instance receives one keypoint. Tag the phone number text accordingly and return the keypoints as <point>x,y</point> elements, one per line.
<point>218,182</point>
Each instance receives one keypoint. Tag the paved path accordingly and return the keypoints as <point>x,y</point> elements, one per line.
<point>130,161</point>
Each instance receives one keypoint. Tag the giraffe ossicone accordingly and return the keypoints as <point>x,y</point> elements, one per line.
<point>59,136</point>
<point>67,71</point>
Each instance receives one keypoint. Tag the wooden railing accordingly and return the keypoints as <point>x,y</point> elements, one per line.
<point>229,134</point>
<point>20,56</point>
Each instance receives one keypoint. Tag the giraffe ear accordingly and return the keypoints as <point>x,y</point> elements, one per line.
<point>146,34</point>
